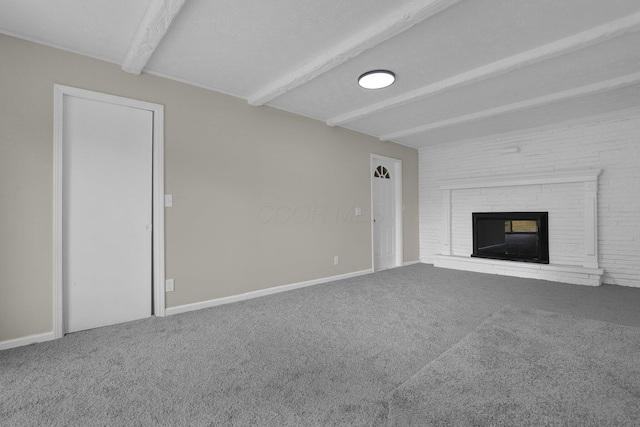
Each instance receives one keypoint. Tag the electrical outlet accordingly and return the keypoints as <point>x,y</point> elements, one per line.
<point>169,285</point>
<point>335,260</point>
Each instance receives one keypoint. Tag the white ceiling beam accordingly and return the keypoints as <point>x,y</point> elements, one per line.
<point>382,30</point>
<point>591,89</point>
<point>152,28</point>
<point>561,47</point>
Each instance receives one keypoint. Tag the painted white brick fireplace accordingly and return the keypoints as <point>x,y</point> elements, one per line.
<point>570,197</point>
<point>585,174</point>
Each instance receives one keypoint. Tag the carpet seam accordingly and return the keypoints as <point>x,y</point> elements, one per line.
<point>389,395</point>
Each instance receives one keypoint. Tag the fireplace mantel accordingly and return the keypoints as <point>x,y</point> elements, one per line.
<point>512,180</point>
<point>587,273</point>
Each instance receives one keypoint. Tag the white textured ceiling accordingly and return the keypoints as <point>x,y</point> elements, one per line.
<point>465,68</point>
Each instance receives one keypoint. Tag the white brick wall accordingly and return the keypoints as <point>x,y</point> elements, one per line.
<point>612,145</point>
<point>564,202</point>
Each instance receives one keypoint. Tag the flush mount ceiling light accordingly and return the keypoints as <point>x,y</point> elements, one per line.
<point>376,79</point>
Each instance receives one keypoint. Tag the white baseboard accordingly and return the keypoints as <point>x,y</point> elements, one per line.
<point>30,339</point>
<point>410,263</point>
<point>18,342</point>
<point>263,292</point>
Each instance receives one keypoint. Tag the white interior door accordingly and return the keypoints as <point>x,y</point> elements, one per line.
<point>384,215</point>
<point>106,213</point>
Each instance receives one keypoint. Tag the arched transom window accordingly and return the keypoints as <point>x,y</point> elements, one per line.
<point>381,172</point>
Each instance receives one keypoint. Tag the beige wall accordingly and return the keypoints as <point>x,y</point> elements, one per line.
<point>230,167</point>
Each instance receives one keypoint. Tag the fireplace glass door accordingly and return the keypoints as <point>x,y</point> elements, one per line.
<point>516,236</point>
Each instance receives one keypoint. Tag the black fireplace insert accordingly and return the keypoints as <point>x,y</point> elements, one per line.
<point>513,236</point>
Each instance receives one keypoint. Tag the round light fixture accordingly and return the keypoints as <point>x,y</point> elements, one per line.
<point>376,79</point>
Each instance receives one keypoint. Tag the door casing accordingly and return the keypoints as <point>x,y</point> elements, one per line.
<point>158,278</point>
<point>397,170</point>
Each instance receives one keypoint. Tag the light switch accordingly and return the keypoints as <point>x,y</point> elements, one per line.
<point>358,211</point>
<point>169,285</point>
<point>168,200</point>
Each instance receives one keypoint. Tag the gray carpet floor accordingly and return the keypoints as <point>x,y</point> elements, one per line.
<point>528,368</point>
<point>330,354</point>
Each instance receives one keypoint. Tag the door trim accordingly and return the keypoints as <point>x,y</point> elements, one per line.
<point>397,170</point>
<point>59,92</point>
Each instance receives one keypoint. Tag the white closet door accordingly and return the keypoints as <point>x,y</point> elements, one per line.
<point>106,209</point>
